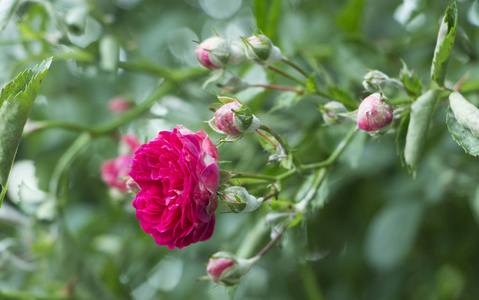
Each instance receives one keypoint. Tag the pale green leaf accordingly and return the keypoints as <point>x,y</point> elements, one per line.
<point>445,41</point>
<point>16,101</point>
<point>462,135</point>
<point>421,113</point>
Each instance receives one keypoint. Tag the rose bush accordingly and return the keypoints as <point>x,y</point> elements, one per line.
<point>179,177</point>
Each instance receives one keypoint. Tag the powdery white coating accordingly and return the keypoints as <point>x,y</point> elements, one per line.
<point>374,113</point>
<point>225,118</point>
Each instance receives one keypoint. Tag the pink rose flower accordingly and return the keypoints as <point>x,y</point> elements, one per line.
<point>179,177</point>
<point>114,169</point>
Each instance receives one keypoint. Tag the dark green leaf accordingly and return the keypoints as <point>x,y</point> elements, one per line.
<point>462,135</point>
<point>445,41</point>
<point>16,101</point>
<point>350,16</point>
<point>343,96</point>
<point>410,80</point>
<point>401,138</point>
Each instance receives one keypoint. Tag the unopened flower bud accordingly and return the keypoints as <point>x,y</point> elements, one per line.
<point>260,47</point>
<point>226,269</point>
<point>374,80</point>
<point>332,110</point>
<point>234,118</point>
<point>216,53</point>
<point>374,113</point>
<point>118,104</point>
<point>237,199</point>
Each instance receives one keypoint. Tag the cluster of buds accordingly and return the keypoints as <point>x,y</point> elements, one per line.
<point>216,53</point>
<point>234,118</point>
<point>375,114</point>
<point>226,269</point>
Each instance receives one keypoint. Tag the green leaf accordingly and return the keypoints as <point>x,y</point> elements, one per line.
<point>466,114</point>
<point>421,114</point>
<point>350,16</point>
<point>410,80</point>
<point>16,101</point>
<point>390,236</point>
<point>343,96</point>
<point>445,41</point>
<point>462,135</point>
<point>109,53</point>
<point>401,138</point>
<point>7,8</point>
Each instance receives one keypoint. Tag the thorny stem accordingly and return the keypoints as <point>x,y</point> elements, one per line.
<point>278,87</point>
<point>295,66</point>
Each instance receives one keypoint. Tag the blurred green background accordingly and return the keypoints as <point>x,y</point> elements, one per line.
<point>375,233</point>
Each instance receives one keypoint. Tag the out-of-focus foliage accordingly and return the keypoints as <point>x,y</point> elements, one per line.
<point>376,232</point>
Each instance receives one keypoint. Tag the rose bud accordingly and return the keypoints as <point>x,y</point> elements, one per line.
<point>234,118</point>
<point>260,47</point>
<point>331,112</point>
<point>215,53</point>
<point>118,104</point>
<point>237,199</point>
<point>226,269</point>
<point>132,186</point>
<point>114,171</point>
<point>374,80</point>
<point>374,113</point>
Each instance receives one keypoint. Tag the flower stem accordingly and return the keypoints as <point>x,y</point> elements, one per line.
<point>284,74</point>
<point>295,66</point>
<point>337,152</point>
<point>325,95</point>
<point>273,241</point>
<point>254,176</point>
<point>280,88</point>
<point>65,162</point>
<point>273,143</point>
<point>160,92</point>
<point>280,140</point>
